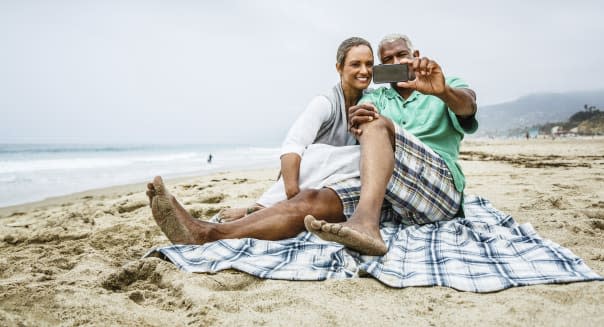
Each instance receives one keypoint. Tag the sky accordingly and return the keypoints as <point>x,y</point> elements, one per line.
<point>225,72</point>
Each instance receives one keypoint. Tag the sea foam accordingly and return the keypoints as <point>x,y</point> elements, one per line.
<point>33,172</point>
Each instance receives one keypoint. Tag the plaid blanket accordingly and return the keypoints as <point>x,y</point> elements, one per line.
<point>486,251</point>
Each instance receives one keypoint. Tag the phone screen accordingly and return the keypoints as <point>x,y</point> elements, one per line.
<point>390,73</point>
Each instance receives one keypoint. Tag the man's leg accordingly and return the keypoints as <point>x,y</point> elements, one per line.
<point>283,220</point>
<point>421,189</point>
<point>361,232</point>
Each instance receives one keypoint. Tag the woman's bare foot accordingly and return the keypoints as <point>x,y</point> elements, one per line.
<point>232,214</point>
<point>363,239</point>
<point>176,222</point>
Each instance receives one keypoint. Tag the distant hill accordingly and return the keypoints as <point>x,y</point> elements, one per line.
<point>534,109</point>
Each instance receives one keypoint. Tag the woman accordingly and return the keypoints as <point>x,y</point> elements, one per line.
<point>307,152</point>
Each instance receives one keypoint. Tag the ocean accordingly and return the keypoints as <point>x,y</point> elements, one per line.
<point>32,172</point>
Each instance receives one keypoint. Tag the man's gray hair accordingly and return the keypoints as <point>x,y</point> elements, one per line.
<point>395,37</point>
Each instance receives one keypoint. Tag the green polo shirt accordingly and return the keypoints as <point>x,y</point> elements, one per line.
<point>429,119</point>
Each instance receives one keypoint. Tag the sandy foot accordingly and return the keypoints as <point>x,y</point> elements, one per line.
<point>347,236</point>
<point>176,223</point>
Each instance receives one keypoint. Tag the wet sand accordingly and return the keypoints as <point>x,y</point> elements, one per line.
<point>75,260</point>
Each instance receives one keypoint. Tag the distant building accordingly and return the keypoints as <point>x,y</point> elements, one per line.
<point>559,131</point>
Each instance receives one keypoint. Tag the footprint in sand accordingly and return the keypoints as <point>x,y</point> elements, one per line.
<point>594,214</point>
<point>188,186</point>
<point>131,206</point>
<point>144,269</point>
<point>213,199</point>
<point>228,282</point>
<point>599,204</point>
<point>597,224</point>
<point>137,297</point>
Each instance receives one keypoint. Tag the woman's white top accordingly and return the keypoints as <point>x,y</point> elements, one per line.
<point>320,136</point>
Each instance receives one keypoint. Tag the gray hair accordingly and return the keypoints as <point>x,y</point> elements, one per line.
<point>348,44</point>
<point>395,37</point>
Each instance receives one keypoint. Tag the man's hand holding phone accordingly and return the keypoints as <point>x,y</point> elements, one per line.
<point>426,76</point>
<point>359,114</point>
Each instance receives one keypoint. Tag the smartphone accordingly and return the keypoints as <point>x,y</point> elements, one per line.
<point>390,73</point>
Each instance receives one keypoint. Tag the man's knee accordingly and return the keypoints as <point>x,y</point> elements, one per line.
<point>381,125</point>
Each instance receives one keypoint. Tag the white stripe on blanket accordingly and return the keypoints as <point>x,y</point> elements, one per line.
<point>486,251</point>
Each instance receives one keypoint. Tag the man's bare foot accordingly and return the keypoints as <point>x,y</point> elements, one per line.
<point>346,235</point>
<point>232,214</point>
<point>176,222</point>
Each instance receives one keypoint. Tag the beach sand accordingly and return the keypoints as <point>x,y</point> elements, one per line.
<point>76,260</point>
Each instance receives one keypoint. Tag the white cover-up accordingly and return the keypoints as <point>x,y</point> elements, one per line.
<point>321,165</point>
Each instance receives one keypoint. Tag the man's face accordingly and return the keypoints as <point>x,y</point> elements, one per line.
<point>393,52</point>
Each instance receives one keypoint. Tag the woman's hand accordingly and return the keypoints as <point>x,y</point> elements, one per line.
<point>360,114</point>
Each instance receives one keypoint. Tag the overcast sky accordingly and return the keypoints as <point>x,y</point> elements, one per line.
<point>241,71</point>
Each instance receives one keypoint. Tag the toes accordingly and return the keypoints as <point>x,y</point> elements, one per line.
<point>332,228</point>
<point>344,231</point>
<point>158,184</point>
<point>150,195</point>
<point>318,224</point>
<point>311,223</point>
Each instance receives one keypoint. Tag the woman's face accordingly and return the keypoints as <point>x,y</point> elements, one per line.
<point>357,70</point>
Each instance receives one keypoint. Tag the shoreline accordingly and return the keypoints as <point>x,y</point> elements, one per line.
<point>113,190</point>
<point>136,186</point>
<point>30,173</point>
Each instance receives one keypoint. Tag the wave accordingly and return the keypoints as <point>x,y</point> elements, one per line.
<point>31,165</point>
<point>63,148</point>
<point>27,175</point>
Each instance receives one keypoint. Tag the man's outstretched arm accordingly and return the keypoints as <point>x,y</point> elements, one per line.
<point>430,79</point>
<point>461,101</point>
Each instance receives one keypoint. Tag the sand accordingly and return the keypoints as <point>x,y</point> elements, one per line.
<point>76,260</point>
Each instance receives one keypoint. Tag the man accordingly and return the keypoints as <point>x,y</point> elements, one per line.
<point>408,157</point>
<point>421,179</point>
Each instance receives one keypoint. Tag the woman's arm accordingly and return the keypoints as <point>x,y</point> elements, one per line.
<point>302,133</point>
<point>290,171</point>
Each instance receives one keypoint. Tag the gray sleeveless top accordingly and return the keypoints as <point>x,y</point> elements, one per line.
<point>334,131</point>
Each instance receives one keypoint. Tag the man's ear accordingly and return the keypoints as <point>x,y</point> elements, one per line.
<point>416,53</point>
<point>338,67</point>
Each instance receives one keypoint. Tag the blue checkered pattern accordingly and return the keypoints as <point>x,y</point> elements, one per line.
<point>486,251</point>
<point>421,188</point>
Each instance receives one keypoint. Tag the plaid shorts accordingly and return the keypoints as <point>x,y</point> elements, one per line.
<point>420,191</point>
